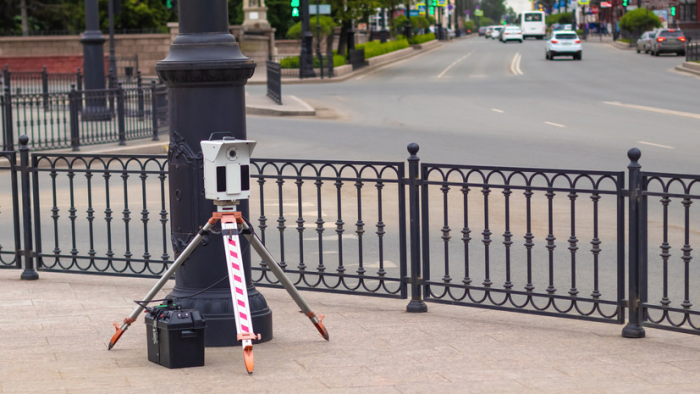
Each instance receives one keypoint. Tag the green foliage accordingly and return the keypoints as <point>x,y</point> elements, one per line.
<point>484,21</point>
<point>562,18</point>
<point>419,39</point>
<point>137,14</point>
<point>639,20</point>
<point>470,26</point>
<point>375,48</point>
<point>420,22</point>
<point>293,61</point>
<point>625,40</point>
<point>494,9</point>
<point>398,24</point>
<point>326,27</point>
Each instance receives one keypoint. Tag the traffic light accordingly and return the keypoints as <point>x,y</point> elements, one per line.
<point>624,3</point>
<point>168,4</point>
<point>673,10</point>
<point>295,8</point>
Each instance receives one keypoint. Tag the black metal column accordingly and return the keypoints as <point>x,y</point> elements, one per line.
<point>94,64</point>
<point>306,58</point>
<point>206,75</point>
<point>416,305</point>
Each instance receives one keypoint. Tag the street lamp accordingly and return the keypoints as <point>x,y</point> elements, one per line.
<point>306,61</point>
<point>206,75</point>
<point>93,65</point>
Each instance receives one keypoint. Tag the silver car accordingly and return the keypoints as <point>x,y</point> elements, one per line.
<point>668,40</point>
<point>644,42</point>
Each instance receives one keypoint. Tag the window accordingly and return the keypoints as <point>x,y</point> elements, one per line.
<point>534,17</point>
<point>567,36</point>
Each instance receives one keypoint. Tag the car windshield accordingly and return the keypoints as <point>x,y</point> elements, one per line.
<point>499,28</point>
<point>672,34</point>
<point>567,36</point>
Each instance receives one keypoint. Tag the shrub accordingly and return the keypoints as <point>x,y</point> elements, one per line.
<point>293,61</point>
<point>639,20</point>
<point>326,27</point>
<point>415,40</point>
<point>470,26</point>
<point>375,48</point>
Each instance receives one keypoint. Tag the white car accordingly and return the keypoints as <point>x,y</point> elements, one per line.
<point>497,31</point>
<point>489,31</point>
<point>563,43</point>
<point>512,33</point>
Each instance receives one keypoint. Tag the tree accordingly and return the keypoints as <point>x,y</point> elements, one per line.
<point>639,20</point>
<point>484,21</point>
<point>494,9</point>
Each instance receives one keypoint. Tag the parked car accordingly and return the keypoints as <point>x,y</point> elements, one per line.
<point>512,33</point>
<point>644,42</point>
<point>563,43</point>
<point>497,30</point>
<point>668,41</point>
<point>489,31</point>
<point>568,27</point>
<point>482,30</point>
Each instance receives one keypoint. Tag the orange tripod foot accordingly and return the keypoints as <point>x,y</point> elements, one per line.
<point>248,358</point>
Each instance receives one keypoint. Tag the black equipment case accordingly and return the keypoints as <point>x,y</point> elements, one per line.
<point>175,337</point>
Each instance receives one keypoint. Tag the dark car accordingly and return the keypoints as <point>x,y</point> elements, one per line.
<point>668,41</point>
<point>482,30</point>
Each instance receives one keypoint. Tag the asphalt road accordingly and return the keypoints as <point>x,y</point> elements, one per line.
<point>465,105</point>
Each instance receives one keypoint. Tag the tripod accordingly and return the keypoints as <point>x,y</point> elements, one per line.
<point>232,225</point>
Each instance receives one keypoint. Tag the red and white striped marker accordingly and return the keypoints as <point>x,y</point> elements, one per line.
<point>239,291</point>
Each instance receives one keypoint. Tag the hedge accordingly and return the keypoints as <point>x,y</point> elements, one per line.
<point>422,38</point>
<point>293,61</point>
<point>375,48</point>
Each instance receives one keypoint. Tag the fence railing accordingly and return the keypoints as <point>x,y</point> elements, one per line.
<point>342,226</point>
<point>692,49</point>
<point>75,118</point>
<point>289,64</point>
<point>274,81</point>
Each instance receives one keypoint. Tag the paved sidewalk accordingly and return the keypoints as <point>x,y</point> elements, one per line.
<point>54,334</point>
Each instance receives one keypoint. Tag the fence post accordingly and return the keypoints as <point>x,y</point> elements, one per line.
<point>139,86</point>
<point>29,272</point>
<point>6,76</point>
<point>121,116</point>
<point>154,110</point>
<point>74,97</point>
<point>79,82</point>
<point>688,41</point>
<point>633,329</point>
<point>416,305</point>
<point>45,88</point>
<point>8,126</point>
<point>111,86</point>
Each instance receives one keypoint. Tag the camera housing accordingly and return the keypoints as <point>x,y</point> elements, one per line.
<point>227,169</point>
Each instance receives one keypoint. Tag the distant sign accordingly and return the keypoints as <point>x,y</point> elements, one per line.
<point>450,7</point>
<point>594,9</point>
<point>413,13</point>
<point>421,8</point>
<point>323,9</point>
<point>441,3</point>
<point>605,4</point>
<point>584,2</point>
<point>479,13</point>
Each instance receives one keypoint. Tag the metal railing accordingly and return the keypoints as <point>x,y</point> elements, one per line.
<point>274,82</point>
<point>323,65</point>
<point>692,49</point>
<point>343,226</point>
<point>77,117</point>
<point>33,82</point>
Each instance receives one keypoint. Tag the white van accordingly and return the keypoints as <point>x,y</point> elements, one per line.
<point>532,24</point>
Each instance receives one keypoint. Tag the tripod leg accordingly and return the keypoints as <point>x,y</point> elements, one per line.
<point>285,281</point>
<point>239,291</point>
<point>161,282</point>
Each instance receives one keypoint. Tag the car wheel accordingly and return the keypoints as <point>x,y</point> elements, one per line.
<point>579,56</point>
<point>638,51</point>
<point>681,53</point>
<point>656,53</point>
<point>520,41</point>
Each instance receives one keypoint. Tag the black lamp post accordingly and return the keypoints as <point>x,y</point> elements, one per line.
<point>112,56</point>
<point>93,65</point>
<point>206,76</point>
<point>306,61</point>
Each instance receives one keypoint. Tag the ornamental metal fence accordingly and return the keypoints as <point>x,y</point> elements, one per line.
<point>692,49</point>
<point>84,117</point>
<point>541,241</point>
<point>274,81</point>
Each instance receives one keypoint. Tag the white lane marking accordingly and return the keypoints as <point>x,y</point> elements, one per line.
<point>554,124</point>
<point>657,145</point>
<point>515,65</point>
<point>453,64</point>
<point>652,109</point>
<point>496,110</point>
<point>478,76</point>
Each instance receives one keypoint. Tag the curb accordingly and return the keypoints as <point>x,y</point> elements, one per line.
<point>271,111</point>
<point>621,45</point>
<point>353,73</point>
<point>685,69</point>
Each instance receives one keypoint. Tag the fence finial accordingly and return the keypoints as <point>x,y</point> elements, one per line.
<point>634,154</point>
<point>413,148</point>
<point>23,141</point>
